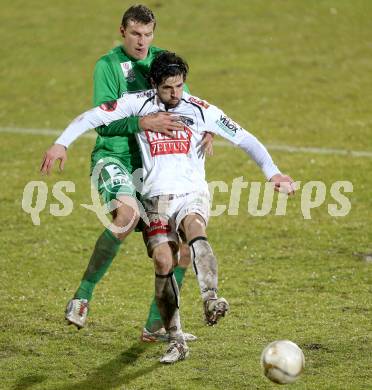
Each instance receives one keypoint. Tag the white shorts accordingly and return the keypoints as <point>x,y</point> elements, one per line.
<point>166,212</point>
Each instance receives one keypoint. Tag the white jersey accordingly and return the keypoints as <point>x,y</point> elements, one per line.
<point>172,165</point>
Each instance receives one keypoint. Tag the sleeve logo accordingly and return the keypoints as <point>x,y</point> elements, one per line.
<point>109,106</point>
<point>227,125</point>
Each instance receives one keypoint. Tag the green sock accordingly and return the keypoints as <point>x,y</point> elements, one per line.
<point>154,321</point>
<point>106,248</point>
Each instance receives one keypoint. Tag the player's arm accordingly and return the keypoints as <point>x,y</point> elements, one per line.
<point>105,90</point>
<point>102,115</point>
<point>98,116</point>
<point>219,123</point>
<point>161,122</point>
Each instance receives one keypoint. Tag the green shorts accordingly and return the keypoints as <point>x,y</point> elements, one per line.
<point>115,180</point>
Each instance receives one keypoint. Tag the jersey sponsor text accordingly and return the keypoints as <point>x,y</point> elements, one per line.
<point>160,144</point>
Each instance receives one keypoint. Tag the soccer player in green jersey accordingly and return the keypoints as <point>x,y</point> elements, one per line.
<point>124,69</point>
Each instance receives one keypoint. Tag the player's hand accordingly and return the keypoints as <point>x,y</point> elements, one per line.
<point>207,143</point>
<point>162,122</point>
<point>55,152</point>
<point>283,183</point>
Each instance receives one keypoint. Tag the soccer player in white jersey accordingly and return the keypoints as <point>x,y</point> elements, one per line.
<point>175,192</point>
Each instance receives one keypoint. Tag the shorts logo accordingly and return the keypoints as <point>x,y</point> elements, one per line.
<point>109,106</point>
<point>200,103</point>
<point>227,125</point>
<point>127,68</point>
<point>157,227</point>
<point>160,144</point>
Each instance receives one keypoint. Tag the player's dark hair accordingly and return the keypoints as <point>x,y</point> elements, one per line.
<point>167,64</point>
<point>138,13</point>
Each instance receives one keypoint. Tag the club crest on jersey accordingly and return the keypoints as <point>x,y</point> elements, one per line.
<point>109,106</point>
<point>186,120</point>
<point>160,144</point>
<point>227,125</point>
<point>200,103</point>
<point>127,68</point>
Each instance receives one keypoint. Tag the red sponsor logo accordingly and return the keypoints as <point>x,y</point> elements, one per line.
<point>160,144</point>
<point>109,106</point>
<point>200,103</point>
<point>157,227</point>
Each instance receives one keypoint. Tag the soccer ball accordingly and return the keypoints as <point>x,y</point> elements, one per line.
<point>283,361</point>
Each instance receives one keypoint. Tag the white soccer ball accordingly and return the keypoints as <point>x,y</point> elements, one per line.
<point>283,361</point>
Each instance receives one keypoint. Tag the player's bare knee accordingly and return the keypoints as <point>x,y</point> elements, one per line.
<point>163,259</point>
<point>126,216</point>
<point>193,226</point>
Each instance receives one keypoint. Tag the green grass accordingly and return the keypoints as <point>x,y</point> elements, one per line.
<point>293,72</point>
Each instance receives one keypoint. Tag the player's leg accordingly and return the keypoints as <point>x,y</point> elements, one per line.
<point>162,229</point>
<point>193,224</point>
<point>115,185</point>
<point>107,247</point>
<point>167,299</point>
<point>153,327</point>
<point>166,290</point>
<point>204,261</point>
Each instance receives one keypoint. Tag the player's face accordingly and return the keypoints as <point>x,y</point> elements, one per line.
<point>170,91</point>
<point>137,38</point>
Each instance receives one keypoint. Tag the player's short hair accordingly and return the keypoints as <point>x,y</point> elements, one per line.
<point>138,13</point>
<point>167,64</point>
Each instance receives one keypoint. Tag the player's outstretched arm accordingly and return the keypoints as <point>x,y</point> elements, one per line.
<point>74,130</point>
<point>221,124</point>
<point>55,152</point>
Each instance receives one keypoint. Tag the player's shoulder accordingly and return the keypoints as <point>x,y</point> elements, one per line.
<point>138,101</point>
<point>154,50</point>
<point>139,98</point>
<point>112,56</point>
<point>195,101</point>
<point>144,95</point>
<point>151,55</point>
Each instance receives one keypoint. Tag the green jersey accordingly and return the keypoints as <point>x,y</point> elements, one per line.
<point>117,73</point>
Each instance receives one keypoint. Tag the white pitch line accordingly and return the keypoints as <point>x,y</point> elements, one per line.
<point>42,132</point>
<point>311,150</point>
<point>279,148</point>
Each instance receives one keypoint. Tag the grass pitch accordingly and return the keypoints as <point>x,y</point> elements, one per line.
<point>294,73</point>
